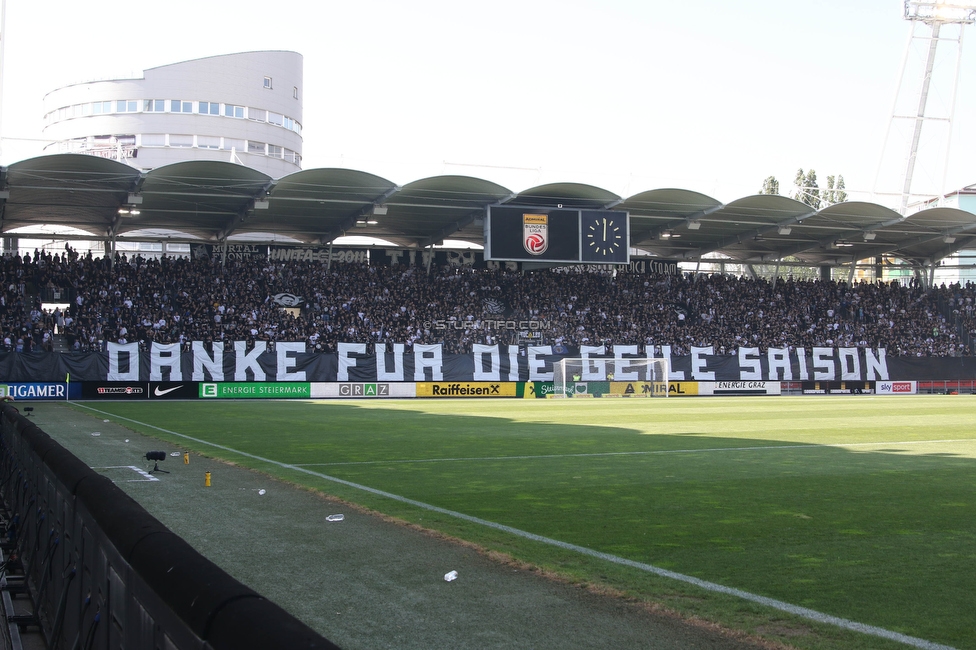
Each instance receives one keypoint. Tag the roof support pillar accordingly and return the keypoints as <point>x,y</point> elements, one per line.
<point>850,276</point>
<point>825,273</point>
<point>328,262</point>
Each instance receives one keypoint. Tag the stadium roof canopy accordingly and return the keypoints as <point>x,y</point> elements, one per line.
<point>206,201</point>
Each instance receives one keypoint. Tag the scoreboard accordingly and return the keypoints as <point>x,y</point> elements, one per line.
<point>534,234</point>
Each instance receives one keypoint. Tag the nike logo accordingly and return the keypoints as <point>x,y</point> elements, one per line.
<point>160,393</point>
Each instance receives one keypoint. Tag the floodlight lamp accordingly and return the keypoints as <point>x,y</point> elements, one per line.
<point>666,234</point>
<point>380,210</point>
<point>694,225</point>
<point>961,12</point>
<point>784,230</point>
<point>869,236</point>
<point>949,239</point>
<point>261,204</point>
<point>134,213</point>
<point>134,199</point>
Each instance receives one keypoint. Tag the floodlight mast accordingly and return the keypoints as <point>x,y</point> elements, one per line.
<point>935,15</point>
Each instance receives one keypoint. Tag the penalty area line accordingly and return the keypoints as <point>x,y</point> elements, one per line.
<point>796,610</point>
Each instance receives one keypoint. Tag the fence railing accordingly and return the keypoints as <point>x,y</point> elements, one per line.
<point>101,572</point>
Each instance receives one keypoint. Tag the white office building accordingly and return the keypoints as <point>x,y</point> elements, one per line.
<point>244,108</point>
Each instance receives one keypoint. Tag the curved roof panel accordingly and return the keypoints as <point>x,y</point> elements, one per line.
<point>316,205</point>
<point>74,190</point>
<point>194,197</point>
<point>570,195</point>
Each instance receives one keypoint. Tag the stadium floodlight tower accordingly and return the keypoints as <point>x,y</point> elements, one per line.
<point>932,23</point>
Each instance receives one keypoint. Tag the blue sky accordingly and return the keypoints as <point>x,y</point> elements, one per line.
<point>709,96</point>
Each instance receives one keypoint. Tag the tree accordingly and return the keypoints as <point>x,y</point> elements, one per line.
<point>835,191</point>
<point>770,186</point>
<point>806,189</point>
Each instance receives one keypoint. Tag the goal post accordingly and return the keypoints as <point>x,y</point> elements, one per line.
<point>596,377</point>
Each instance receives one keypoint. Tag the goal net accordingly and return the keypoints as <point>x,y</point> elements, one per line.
<point>610,378</point>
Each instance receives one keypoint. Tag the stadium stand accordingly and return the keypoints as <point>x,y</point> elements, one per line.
<point>171,299</point>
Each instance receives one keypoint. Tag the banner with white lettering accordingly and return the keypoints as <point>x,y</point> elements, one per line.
<point>291,361</point>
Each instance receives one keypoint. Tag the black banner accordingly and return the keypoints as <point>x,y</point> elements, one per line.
<point>127,368</point>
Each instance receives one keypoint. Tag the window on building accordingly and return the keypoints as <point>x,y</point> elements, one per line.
<point>255,147</point>
<point>179,106</point>
<point>208,142</point>
<point>154,105</point>
<point>153,139</point>
<point>180,140</point>
<point>235,145</point>
<point>294,92</point>
<point>233,111</point>
<point>257,114</point>
<point>276,118</point>
<point>126,106</point>
<point>101,107</point>
<point>267,83</point>
<point>274,151</point>
<point>209,108</point>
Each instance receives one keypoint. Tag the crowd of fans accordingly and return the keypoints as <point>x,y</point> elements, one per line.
<point>171,299</point>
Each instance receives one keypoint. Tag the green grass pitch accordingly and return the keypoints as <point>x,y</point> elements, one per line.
<point>860,507</point>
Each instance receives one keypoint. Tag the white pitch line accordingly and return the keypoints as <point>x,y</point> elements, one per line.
<point>632,453</point>
<point>138,470</point>
<point>796,610</point>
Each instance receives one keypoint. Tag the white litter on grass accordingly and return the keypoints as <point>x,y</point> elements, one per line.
<point>335,517</point>
<point>174,453</point>
<point>96,433</point>
<point>106,420</point>
<point>449,577</point>
<point>127,440</point>
<point>261,492</point>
